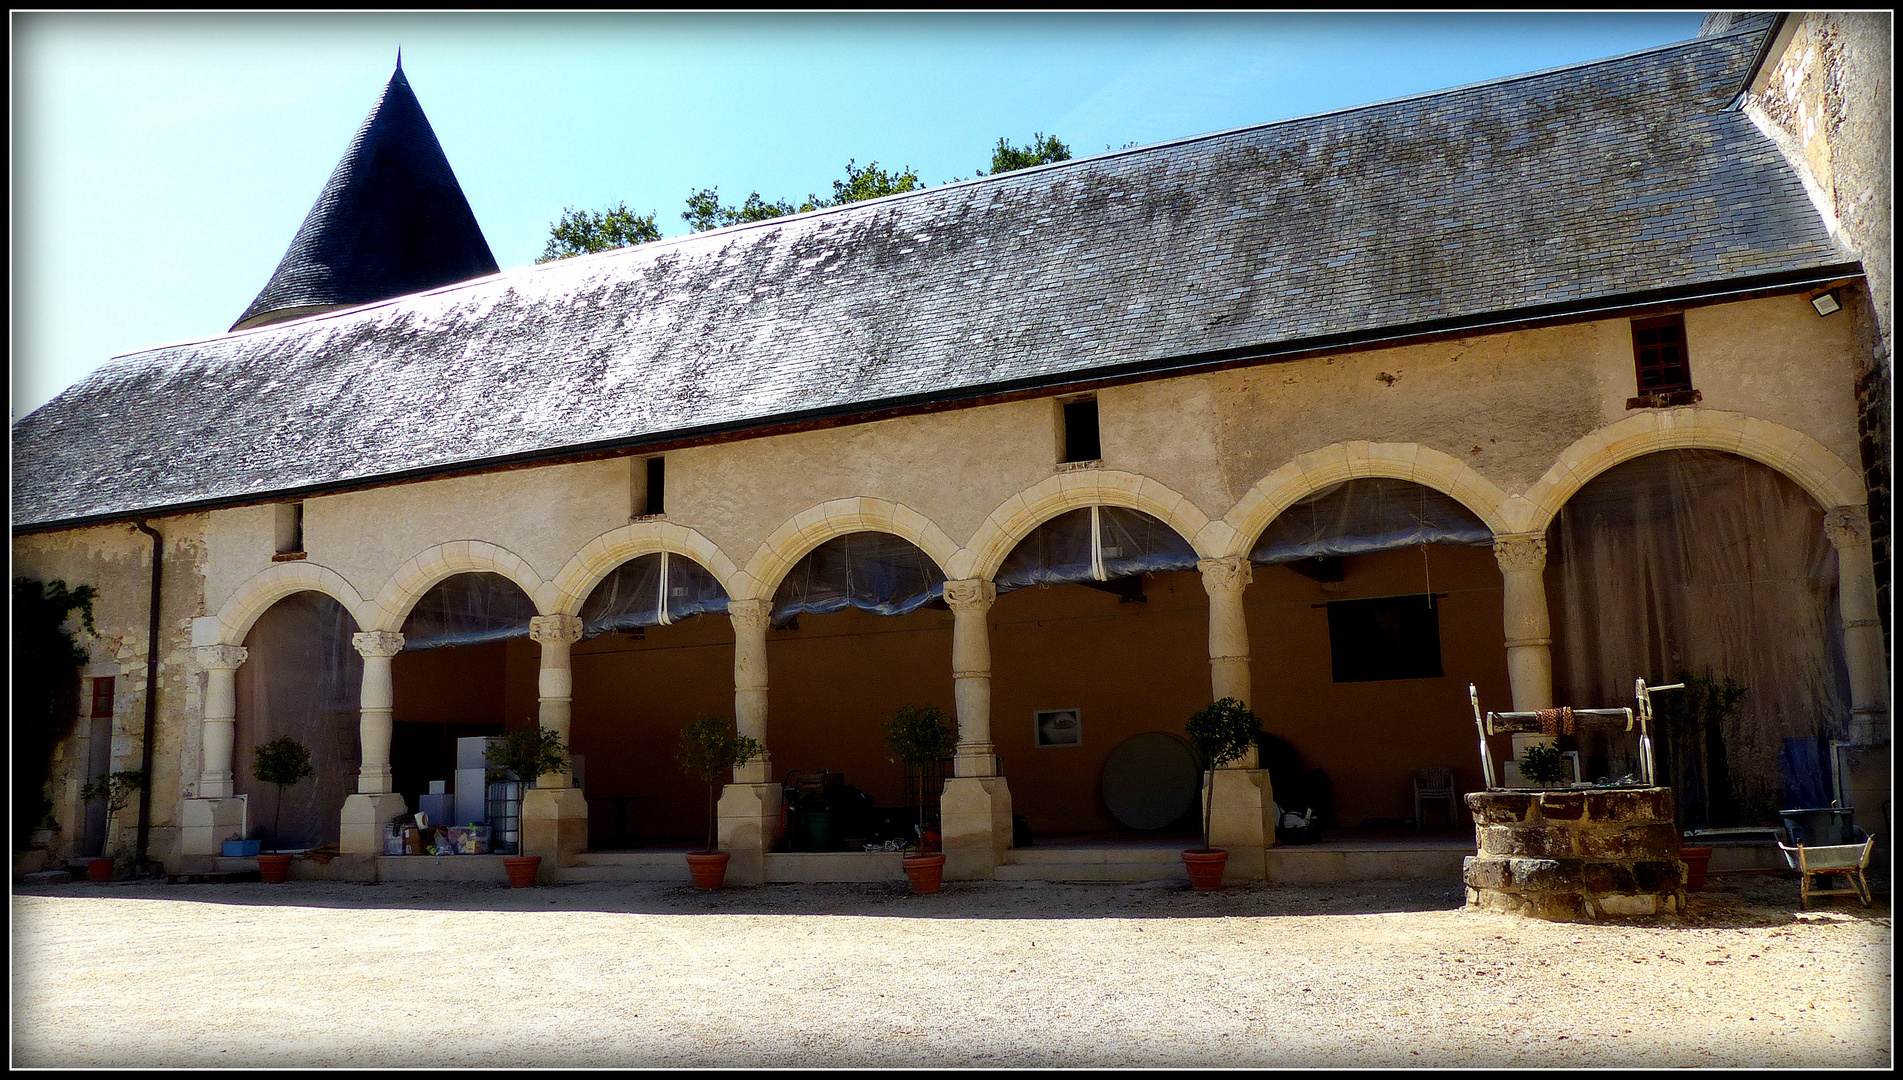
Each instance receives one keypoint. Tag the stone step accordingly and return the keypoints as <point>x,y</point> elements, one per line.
<point>675,871</point>
<point>1034,856</point>
<point>1092,871</point>
<point>1311,866</point>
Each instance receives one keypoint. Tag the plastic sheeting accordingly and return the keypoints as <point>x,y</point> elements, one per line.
<point>1689,560</point>
<point>871,571</point>
<point>303,678</point>
<point>632,595</point>
<point>468,609</point>
<point>1096,543</point>
<point>1366,515</point>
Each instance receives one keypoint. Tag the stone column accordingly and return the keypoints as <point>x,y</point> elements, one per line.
<point>554,812</point>
<point>376,801</point>
<point>206,821</point>
<point>1529,632</point>
<point>748,816</point>
<point>975,810</point>
<point>1241,800</point>
<point>1866,762</point>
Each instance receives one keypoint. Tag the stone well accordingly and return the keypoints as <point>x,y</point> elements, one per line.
<point>1573,855</point>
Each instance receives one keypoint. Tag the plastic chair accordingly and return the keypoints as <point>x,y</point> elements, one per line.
<point>1431,783</point>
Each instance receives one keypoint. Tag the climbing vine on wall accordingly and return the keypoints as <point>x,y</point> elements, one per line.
<point>47,661</point>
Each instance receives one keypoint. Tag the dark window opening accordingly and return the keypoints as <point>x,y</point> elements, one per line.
<point>1080,431</point>
<point>1658,348</point>
<point>657,485</point>
<point>1389,637</point>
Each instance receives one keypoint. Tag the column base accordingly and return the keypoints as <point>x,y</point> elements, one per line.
<point>975,821</point>
<point>1242,820</point>
<point>748,822</point>
<point>554,825</point>
<point>363,821</point>
<point>205,824</point>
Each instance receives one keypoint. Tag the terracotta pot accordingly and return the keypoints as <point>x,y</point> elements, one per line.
<point>926,871</point>
<point>709,868</point>
<point>275,866</point>
<point>99,869</point>
<point>1696,860</point>
<point>522,869</point>
<point>1205,867</point>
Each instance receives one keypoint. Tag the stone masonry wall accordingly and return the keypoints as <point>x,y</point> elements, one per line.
<point>1575,855</point>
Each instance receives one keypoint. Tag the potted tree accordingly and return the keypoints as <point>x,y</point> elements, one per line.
<point>921,735</point>
<point>709,750</point>
<point>1542,763</point>
<point>115,790</point>
<point>1221,732</point>
<point>527,752</point>
<point>283,761</point>
<point>1690,718</point>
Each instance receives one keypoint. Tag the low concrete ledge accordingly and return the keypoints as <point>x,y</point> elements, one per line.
<point>816,866</point>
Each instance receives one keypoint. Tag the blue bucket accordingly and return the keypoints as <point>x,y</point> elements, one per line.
<point>242,849</point>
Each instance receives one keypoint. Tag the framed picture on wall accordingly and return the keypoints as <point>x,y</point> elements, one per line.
<point>1059,727</point>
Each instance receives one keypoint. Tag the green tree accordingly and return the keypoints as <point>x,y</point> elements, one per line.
<point>709,748</point>
<point>705,210</point>
<point>582,232</point>
<point>283,761</point>
<point>47,660</point>
<point>1041,150</point>
<point>920,736</point>
<point>1221,732</point>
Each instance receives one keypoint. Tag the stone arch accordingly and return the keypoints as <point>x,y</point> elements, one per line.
<point>1333,464</point>
<point>276,582</point>
<point>814,526</point>
<point>598,558</point>
<point>1796,455</point>
<point>424,570</point>
<point>1014,518</point>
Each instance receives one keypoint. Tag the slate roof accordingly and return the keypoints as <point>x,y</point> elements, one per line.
<point>391,221</point>
<point>1549,192</point>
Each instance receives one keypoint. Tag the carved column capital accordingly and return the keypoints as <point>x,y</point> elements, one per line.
<point>221,657</point>
<point>1520,551</point>
<point>749,614</point>
<point>555,629</point>
<point>970,594</point>
<point>1231,574</point>
<point>1848,526</point>
<point>378,642</point>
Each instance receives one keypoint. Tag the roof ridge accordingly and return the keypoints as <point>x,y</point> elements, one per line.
<point>666,242</point>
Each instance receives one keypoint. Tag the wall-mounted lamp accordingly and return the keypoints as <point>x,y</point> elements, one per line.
<point>1826,303</point>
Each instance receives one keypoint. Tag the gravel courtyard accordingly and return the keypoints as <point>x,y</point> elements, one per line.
<point>984,974</point>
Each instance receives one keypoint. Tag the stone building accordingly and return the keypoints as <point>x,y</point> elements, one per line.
<point>1539,385</point>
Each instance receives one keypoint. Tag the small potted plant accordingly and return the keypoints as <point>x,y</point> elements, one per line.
<point>1221,732</point>
<point>709,750</point>
<point>527,752</point>
<point>919,736</point>
<point>283,761</point>
<point>1542,763</point>
<point>115,790</point>
<point>1687,716</point>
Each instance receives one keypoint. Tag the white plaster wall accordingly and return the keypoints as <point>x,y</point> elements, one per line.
<point>1507,405</point>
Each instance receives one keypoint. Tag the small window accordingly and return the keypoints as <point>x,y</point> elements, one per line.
<point>1658,349</point>
<point>1389,637</point>
<point>290,528</point>
<point>1081,441</point>
<point>647,479</point>
<point>102,697</point>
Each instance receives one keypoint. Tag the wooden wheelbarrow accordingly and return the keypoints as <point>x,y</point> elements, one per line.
<point>1845,860</point>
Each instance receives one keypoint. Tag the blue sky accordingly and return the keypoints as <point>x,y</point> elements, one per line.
<point>162,163</point>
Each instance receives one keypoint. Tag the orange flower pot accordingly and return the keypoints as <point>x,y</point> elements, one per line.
<point>521,869</point>
<point>1697,860</point>
<point>709,868</point>
<point>926,871</point>
<point>99,870</point>
<point>275,867</point>
<point>1205,867</point>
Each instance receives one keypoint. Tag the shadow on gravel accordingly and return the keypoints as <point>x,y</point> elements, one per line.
<point>958,900</point>
<point>1752,900</point>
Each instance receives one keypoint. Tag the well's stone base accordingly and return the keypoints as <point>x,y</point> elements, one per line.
<point>1575,855</point>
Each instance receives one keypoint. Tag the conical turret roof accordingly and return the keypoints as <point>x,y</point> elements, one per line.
<point>391,221</point>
